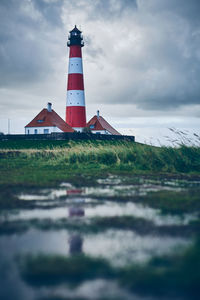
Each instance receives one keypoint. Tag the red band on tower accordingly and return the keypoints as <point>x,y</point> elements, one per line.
<point>74,115</point>
<point>75,82</point>
<point>75,51</point>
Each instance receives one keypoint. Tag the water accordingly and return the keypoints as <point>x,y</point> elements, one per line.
<point>100,222</point>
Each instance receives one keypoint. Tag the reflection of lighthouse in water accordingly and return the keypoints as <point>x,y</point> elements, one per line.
<point>75,244</point>
<point>75,240</point>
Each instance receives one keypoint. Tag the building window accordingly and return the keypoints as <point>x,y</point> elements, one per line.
<point>35,131</point>
<point>28,131</point>
<point>91,126</point>
<point>46,131</point>
<point>40,121</point>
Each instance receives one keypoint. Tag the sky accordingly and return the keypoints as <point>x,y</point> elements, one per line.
<point>141,62</point>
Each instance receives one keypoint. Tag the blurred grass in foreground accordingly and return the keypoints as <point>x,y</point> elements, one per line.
<point>175,275</point>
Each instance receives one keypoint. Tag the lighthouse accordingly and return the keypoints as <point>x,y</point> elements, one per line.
<point>75,107</point>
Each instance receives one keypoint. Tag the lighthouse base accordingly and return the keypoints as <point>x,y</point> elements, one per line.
<point>76,117</point>
<point>79,129</point>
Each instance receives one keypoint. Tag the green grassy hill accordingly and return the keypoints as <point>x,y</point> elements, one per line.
<point>42,162</point>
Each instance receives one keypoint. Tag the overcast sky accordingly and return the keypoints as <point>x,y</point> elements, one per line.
<point>141,60</point>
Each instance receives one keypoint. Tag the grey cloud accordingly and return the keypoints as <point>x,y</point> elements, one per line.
<point>187,9</point>
<point>113,8</point>
<point>105,9</point>
<point>164,74</point>
<point>93,52</point>
<point>24,48</point>
<point>50,10</point>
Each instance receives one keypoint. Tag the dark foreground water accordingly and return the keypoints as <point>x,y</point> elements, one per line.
<point>99,242</point>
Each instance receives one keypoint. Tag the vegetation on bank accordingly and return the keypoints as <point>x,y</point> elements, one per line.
<point>139,225</point>
<point>60,160</point>
<point>170,202</point>
<point>173,275</point>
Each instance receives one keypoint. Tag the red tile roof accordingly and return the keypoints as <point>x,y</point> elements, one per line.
<point>50,118</point>
<point>101,124</point>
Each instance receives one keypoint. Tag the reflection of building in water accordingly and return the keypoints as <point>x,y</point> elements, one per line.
<point>75,240</point>
<point>74,192</point>
<point>75,244</point>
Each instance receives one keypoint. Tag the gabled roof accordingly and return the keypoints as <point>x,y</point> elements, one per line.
<point>50,118</point>
<point>100,123</point>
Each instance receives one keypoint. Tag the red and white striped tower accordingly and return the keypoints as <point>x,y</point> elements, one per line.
<point>75,108</point>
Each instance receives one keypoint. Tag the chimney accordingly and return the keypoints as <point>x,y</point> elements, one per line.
<point>97,114</point>
<point>49,107</point>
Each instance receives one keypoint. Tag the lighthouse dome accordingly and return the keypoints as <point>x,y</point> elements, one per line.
<point>75,38</point>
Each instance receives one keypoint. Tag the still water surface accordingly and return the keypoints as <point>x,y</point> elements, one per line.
<point>79,208</point>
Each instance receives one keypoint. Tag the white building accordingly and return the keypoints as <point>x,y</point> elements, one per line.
<point>47,121</point>
<point>99,125</point>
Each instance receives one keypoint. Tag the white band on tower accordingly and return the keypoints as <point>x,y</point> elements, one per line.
<point>75,65</point>
<point>75,98</point>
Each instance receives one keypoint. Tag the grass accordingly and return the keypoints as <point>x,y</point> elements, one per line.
<point>23,144</point>
<point>101,224</point>
<point>186,201</point>
<point>177,275</point>
<point>52,269</point>
<point>169,276</point>
<point>52,162</point>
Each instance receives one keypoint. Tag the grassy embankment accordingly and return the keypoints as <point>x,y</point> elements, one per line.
<point>34,163</point>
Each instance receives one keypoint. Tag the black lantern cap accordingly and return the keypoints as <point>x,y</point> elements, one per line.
<point>75,38</point>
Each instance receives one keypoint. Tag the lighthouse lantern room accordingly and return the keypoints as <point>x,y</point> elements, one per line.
<point>75,107</point>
